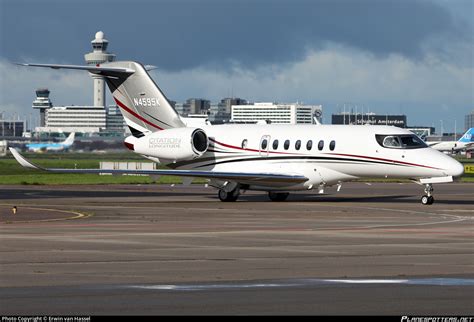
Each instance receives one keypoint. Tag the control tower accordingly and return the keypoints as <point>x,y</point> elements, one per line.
<point>98,56</point>
<point>42,102</point>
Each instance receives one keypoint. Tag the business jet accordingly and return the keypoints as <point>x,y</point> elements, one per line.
<point>61,146</point>
<point>464,143</point>
<point>274,158</point>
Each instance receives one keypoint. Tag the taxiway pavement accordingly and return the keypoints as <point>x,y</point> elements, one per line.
<point>369,249</point>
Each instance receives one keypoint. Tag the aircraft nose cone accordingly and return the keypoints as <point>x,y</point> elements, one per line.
<point>456,169</point>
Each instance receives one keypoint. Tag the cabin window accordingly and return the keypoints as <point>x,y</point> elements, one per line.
<point>400,141</point>
<point>309,145</point>
<point>411,141</point>
<point>286,145</point>
<point>275,144</point>
<point>321,145</point>
<point>332,145</point>
<point>298,144</point>
<point>264,144</point>
<point>244,143</point>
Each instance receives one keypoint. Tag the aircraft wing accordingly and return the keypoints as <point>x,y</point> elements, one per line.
<point>241,177</point>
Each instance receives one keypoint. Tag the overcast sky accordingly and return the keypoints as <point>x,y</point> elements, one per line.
<point>414,57</point>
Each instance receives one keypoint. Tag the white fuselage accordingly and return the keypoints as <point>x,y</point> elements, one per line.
<point>36,147</point>
<point>355,154</point>
<point>241,157</point>
<point>449,146</point>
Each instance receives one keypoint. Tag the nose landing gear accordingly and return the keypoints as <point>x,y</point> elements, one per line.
<point>428,199</point>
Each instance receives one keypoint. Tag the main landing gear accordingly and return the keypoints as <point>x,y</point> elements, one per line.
<point>229,196</point>
<point>233,195</point>
<point>428,199</point>
<point>278,196</point>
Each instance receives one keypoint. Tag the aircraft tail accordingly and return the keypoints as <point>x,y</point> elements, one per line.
<point>69,140</point>
<point>143,104</point>
<point>141,101</point>
<point>468,136</point>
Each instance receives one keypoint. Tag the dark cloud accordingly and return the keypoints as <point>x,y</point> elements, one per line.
<point>177,35</point>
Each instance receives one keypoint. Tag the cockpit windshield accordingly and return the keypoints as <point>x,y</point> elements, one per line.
<point>404,141</point>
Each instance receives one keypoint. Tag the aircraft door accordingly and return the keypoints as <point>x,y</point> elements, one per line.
<point>264,146</point>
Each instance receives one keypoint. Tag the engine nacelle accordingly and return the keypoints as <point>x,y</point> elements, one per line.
<point>175,144</point>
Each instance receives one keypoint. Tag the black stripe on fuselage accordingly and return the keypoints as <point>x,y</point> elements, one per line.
<point>296,158</point>
<point>215,151</point>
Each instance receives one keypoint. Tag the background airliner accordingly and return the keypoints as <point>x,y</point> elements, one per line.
<point>60,146</point>
<point>464,143</point>
<point>272,158</point>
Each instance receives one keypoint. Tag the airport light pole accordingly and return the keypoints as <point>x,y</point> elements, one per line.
<point>455,129</point>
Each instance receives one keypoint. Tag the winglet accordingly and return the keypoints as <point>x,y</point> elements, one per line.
<point>22,161</point>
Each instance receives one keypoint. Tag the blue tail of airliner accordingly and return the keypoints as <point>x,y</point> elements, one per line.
<point>468,136</point>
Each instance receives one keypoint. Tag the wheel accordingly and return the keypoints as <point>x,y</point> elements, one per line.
<point>228,196</point>
<point>425,200</point>
<point>430,200</point>
<point>278,196</point>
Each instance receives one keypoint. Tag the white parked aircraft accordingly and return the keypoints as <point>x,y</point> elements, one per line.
<point>273,158</point>
<point>464,143</point>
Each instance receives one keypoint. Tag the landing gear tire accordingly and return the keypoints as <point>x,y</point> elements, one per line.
<point>231,196</point>
<point>427,200</point>
<point>278,196</point>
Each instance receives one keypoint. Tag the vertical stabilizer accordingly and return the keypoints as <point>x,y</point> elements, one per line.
<point>468,136</point>
<point>69,140</point>
<point>143,105</point>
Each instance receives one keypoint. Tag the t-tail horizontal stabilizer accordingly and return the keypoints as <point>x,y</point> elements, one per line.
<point>106,71</point>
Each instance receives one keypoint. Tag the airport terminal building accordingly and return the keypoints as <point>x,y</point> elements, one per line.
<point>275,113</point>
<point>12,128</point>
<point>469,120</point>
<point>370,118</point>
<point>83,119</point>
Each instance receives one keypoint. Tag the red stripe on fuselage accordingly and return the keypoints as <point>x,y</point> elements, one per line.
<point>120,104</point>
